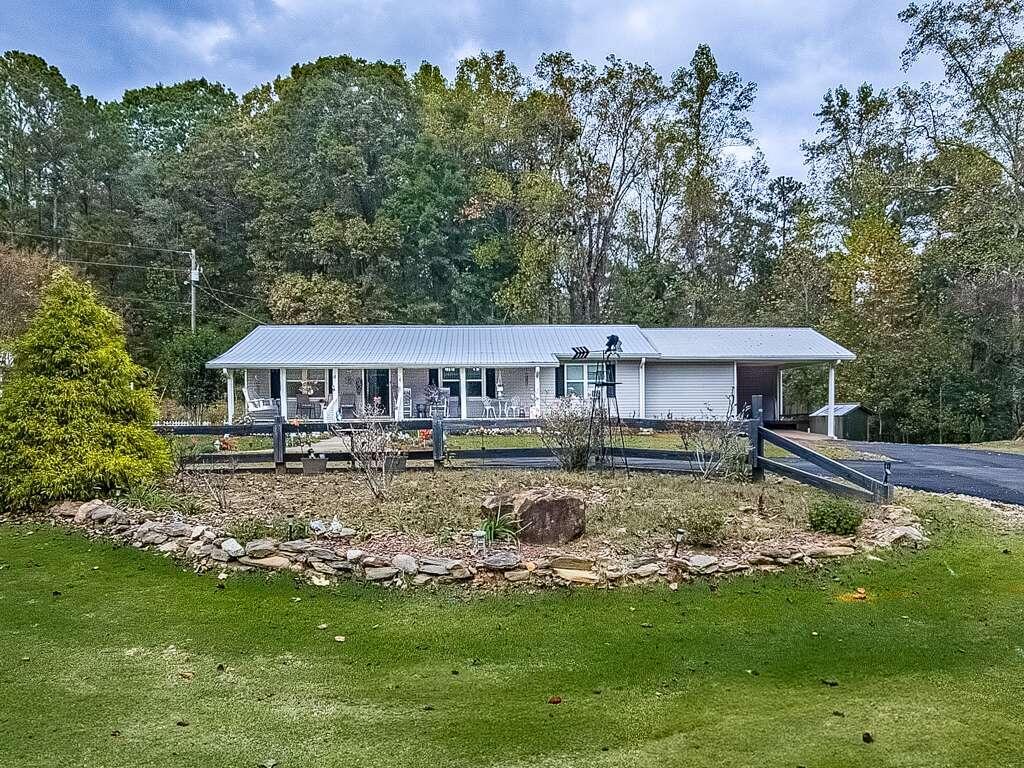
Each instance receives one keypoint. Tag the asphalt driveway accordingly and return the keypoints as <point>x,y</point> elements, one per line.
<point>946,469</point>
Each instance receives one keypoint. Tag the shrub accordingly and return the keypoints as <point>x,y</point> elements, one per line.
<point>183,362</point>
<point>703,523</point>
<point>76,414</point>
<point>570,433</point>
<point>835,515</point>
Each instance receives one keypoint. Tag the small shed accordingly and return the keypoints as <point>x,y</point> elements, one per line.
<point>852,421</point>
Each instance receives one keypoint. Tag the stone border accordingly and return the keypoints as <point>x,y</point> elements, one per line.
<point>323,561</point>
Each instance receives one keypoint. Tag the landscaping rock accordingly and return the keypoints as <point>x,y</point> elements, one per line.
<point>436,566</point>
<point>549,515</point>
<point>274,562</point>
<point>702,563</point>
<point>405,563</point>
<point>65,509</point>
<point>261,548</point>
<point>102,513</point>
<point>421,579</point>
<point>171,546</point>
<point>82,515</point>
<point>380,573</point>
<point>501,561</point>
<point>318,579</point>
<point>573,563</point>
<point>901,534</point>
<point>295,547</point>
<point>175,529</point>
<point>232,548</point>
<point>645,571</point>
<point>459,572</point>
<point>520,574</point>
<point>354,555</point>
<point>826,552</point>
<point>576,576</point>
<point>220,555</point>
<point>322,567</point>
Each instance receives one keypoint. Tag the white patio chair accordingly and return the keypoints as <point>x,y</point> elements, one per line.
<point>490,408</point>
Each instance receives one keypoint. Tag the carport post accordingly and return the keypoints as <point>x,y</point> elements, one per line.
<point>832,400</point>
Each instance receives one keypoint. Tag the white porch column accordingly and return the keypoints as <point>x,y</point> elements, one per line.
<point>231,395</point>
<point>283,373</point>
<point>400,400</point>
<point>643,387</point>
<point>778,397</point>
<point>463,400</point>
<point>536,392</point>
<point>832,400</point>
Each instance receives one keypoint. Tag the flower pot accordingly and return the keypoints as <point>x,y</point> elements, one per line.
<point>314,465</point>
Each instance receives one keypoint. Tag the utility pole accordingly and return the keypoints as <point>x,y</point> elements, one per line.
<point>193,279</point>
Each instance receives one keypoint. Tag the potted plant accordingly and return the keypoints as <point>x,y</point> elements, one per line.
<point>312,463</point>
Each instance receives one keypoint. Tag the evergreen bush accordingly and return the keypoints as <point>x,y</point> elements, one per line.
<point>76,413</point>
<point>835,515</point>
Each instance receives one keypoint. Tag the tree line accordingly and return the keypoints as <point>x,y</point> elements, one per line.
<point>357,191</point>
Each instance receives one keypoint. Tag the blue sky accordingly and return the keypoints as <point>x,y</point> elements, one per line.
<point>793,49</point>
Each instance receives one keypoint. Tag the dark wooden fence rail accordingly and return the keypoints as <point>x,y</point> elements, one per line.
<point>857,485</point>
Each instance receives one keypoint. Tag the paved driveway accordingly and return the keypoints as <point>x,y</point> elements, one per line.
<point>944,469</point>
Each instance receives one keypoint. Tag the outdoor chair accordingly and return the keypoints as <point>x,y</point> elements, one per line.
<point>407,404</point>
<point>305,408</point>
<point>490,408</point>
<point>259,408</point>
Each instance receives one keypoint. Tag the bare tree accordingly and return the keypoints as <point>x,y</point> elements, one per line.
<point>716,441</point>
<point>570,430</point>
<point>376,448</point>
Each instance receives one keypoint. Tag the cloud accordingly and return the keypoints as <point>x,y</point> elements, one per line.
<point>201,39</point>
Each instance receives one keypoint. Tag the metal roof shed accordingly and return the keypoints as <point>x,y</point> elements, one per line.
<point>853,421</point>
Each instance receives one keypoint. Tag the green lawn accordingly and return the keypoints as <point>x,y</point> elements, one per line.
<point>1001,446</point>
<point>110,657</point>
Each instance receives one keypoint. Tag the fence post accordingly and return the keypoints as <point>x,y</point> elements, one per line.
<point>756,443</point>
<point>437,437</point>
<point>279,465</point>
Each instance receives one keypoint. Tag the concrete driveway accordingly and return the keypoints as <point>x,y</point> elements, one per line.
<point>945,469</point>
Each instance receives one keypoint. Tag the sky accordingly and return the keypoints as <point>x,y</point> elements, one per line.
<point>793,49</point>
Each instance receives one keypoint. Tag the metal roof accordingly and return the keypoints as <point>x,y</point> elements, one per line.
<point>410,346</point>
<point>842,409</point>
<point>746,344</point>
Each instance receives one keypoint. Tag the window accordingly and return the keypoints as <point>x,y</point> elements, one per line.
<point>474,382</point>
<point>580,379</point>
<point>450,380</point>
<point>311,380</point>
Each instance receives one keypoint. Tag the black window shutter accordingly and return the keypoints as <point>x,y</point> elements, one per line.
<point>275,384</point>
<point>492,386</point>
<point>610,377</point>
<point>432,377</point>
<point>560,381</point>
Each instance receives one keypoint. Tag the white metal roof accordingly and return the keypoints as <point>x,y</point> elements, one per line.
<point>746,344</point>
<point>394,346</point>
<point>410,346</point>
<point>841,409</point>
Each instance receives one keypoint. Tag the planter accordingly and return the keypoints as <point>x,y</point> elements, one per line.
<point>395,463</point>
<point>314,465</point>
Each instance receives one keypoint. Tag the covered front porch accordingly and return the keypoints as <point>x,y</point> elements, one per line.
<point>335,394</point>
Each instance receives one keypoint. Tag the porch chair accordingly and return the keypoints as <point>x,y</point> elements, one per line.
<point>305,408</point>
<point>259,408</point>
<point>347,405</point>
<point>407,402</point>
<point>489,406</point>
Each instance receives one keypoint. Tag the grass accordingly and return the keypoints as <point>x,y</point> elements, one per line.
<point>114,657</point>
<point>1000,446</point>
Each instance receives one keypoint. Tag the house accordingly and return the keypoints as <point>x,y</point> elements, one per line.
<point>333,372</point>
<point>852,421</point>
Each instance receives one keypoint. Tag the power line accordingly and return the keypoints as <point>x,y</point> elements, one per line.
<point>232,293</point>
<point>99,242</point>
<point>221,301</point>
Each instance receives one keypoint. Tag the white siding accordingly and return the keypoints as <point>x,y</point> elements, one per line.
<point>688,390</point>
<point>627,390</point>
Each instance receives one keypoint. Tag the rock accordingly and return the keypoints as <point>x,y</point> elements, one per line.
<point>759,559</point>
<point>496,502</point>
<point>645,571</point>
<point>354,555</point>
<point>421,579</point>
<point>459,572</point>
<point>295,547</point>
<point>577,576</point>
<point>86,509</point>
<point>405,563</point>
<point>501,561</point>
<point>380,573</point>
<point>102,513</point>
<point>899,535</point>
<point>321,567</point>
<point>170,546</point>
<point>65,509</point>
<point>549,515</point>
<point>194,550</point>
<point>702,563</point>
<point>273,562</point>
<point>374,561</point>
<point>318,579</point>
<point>520,574</point>
<point>232,547</point>
<point>573,563</point>
<point>197,532</point>
<point>153,537</point>
<point>320,553</point>
<point>436,566</point>
<point>837,551</point>
<point>261,548</point>
<point>220,555</point>
<point>639,562</point>
<point>176,529</point>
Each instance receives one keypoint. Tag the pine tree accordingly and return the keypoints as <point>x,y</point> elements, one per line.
<point>75,414</point>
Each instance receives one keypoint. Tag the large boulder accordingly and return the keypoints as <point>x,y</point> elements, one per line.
<point>549,515</point>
